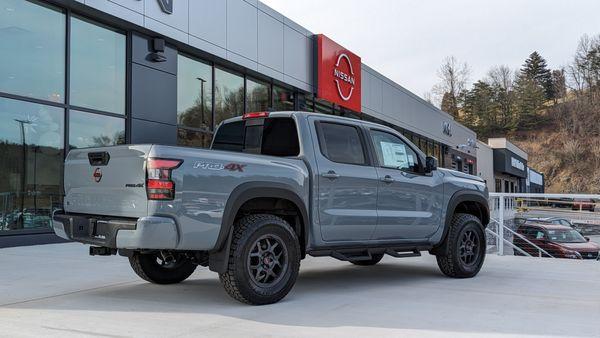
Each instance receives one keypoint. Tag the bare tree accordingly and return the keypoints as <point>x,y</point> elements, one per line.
<point>454,76</point>
<point>501,76</point>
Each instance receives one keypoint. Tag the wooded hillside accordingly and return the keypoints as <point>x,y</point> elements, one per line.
<point>554,115</point>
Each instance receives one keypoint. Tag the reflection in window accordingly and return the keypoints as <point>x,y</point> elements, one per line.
<point>258,94</point>
<point>97,67</point>
<point>92,130</point>
<point>194,93</point>
<point>33,50</point>
<point>283,99</point>
<point>229,95</point>
<point>191,138</point>
<point>31,148</point>
<point>306,102</point>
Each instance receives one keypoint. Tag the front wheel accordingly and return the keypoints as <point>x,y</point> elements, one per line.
<point>463,253</point>
<point>162,267</point>
<point>264,260</point>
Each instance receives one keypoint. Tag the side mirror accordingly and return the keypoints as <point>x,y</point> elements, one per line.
<point>431,164</point>
<point>587,238</point>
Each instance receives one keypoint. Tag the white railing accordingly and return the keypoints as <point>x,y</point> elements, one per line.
<point>505,209</point>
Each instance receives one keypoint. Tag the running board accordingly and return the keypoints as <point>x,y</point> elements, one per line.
<point>367,254</point>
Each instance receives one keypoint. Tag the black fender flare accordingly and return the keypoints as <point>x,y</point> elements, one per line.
<point>459,197</point>
<point>219,255</point>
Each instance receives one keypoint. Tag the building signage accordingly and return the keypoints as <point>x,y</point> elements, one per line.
<point>447,128</point>
<point>166,6</point>
<point>515,163</point>
<point>338,74</point>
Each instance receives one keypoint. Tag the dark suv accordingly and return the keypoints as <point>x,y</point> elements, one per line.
<point>557,240</point>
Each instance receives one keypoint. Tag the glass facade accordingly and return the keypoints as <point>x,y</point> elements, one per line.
<point>97,67</point>
<point>35,109</point>
<point>229,95</point>
<point>33,50</point>
<point>31,148</point>
<point>283,98</point>
<point>258,95</point>
<point>88,130</point>
<point>194,93</point>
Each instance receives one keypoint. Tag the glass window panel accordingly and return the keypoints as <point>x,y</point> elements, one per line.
<point>31,148</point>
<point>307,102</point>
<point>341,143</point>
<point>229,95</point>
<point>194,93</point>
<point>283,99</point>
<point>93,130</point>
<point>258,95</point>
<point>33,50</point>
<point>97,67</point>
<point>191,138</point>
<point>392,152</point>
<point>323,107</point>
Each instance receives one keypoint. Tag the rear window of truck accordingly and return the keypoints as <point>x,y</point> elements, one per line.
<point>275,136</point>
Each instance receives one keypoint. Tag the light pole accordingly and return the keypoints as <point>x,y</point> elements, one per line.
<point>202,81</point>
<point>22,124</point>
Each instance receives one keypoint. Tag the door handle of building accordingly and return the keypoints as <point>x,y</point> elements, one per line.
<point>387,179</point>
<point>332,175</point>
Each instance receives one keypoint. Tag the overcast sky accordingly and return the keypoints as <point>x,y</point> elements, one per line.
<point>407,40</point>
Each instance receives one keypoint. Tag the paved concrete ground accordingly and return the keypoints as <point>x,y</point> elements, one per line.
<point>57,290</point>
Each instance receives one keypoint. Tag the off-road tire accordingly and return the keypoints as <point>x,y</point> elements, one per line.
<point>239,281</point>
<point>376,258</point>
<point>449,254</point>
<point>146,266</point>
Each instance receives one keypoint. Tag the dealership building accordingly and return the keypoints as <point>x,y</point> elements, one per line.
<point>87,73</point>
<point>504,167</point>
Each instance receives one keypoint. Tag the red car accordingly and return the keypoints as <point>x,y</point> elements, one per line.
<point>557,240</point>
<point>584,204</point>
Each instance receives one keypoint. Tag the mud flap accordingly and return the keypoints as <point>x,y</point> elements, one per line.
<point>218,260</point>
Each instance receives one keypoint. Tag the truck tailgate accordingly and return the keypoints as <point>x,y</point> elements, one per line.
<point>108,181</point>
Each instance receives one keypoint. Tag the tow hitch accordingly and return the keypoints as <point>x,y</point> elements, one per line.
<point>102,251</point>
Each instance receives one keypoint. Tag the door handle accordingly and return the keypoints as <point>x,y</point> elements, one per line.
<point>332,175</point>
<point>387,179</point>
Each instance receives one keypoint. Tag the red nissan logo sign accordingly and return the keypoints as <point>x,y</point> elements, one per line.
<point>339,79</point>
<point>97,175</point>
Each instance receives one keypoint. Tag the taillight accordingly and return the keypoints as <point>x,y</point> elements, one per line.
<point>159,185</point>
<point>255,115</point>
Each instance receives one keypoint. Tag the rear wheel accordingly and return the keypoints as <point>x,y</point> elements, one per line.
<point>463,253</point>
<point>376,258</point>
<point>162,267</point>
<point>264,260</point>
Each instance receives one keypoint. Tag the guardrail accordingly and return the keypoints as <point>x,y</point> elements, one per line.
<point>509,210</point>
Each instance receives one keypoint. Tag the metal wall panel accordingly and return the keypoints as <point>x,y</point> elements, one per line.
<point>208,21</point>
<point>152,132</point>
<point>153,95</point>
<point>270,42</point>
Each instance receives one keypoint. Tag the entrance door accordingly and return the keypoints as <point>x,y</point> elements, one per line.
<point>347,182</point>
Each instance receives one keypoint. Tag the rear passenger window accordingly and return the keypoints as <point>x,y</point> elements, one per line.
<point>270,136</point>
<point>341,143</point>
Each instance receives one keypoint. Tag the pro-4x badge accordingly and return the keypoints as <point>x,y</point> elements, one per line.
<point>166,6</point>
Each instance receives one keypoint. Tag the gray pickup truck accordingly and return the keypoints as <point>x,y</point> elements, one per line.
<point>274,188</point>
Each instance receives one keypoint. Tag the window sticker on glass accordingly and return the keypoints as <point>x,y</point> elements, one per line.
<point>394,155</point>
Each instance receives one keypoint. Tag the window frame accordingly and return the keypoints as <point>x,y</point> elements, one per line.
<point>368,161</point>
<point>407,144</point>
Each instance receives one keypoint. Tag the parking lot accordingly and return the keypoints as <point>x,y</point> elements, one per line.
<point>58,290</point>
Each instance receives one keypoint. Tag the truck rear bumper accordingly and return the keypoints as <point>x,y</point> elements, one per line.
<point>149,232</point>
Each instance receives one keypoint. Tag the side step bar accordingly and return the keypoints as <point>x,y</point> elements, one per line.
<point>368,254</point>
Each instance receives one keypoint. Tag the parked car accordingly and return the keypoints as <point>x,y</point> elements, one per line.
<point>558,241</point>
<point>584,204</point>
<point>274,188</point>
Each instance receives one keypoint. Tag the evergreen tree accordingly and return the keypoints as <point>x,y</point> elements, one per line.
<point>529,99</point>
<point>536,69</point>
